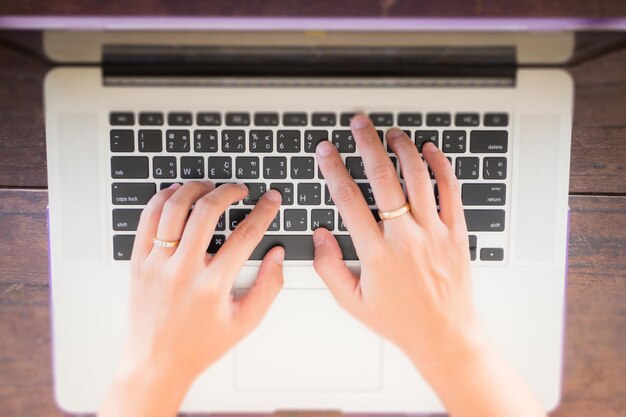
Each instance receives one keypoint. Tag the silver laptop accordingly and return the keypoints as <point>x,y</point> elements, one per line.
<point>138,104</point>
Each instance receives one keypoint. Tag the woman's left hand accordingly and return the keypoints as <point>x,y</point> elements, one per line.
<point>182,314</point>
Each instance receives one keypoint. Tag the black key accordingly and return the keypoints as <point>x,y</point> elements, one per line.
<point>208,119</point>
<point>472,246</point>
<point>122,118</point>
<point>328,199</point>
<point>368,194</point>
<point>286,190</point>
<point>494,168</point>
<point>266,119</point>
<point>247,167</point>
<point>217,241</point>
<point>421,136</point>
<point>356,168</point>
<point>294,119</point>
<point>302,167</point>
<point>496,119</point>
<point>151,119</point>
<point>438,119</point>
<point>220,167</point>
<point>394,161</point>
<point>375,214</point>
<point>467,119</point>
<point>297,247</point>
<point>467,168</point>
<point>342,226</point>
<point>236,216</point>
<point>323,218</point>
<point>150,141</point>
<point>484,220</point>
<point>312,138</point>
<point>179,118</point>
<point>132,193</point>
<point>205,141</point>
<point>221,223</point>
<point>288,141</point>
<point>261,141</point>
<point>129,167</point>
<point>164,185</point>
<point>275,224</point>
<point>454,141</point>
<point>319,173</point>
<point>275,167</point>
<point>409,119</point>
<point>489,141</point>
<point>484,194</point>
<point>344,141</point>
<point>347,247</point>
<point>309,194</point>
<point>295,220</point>
<point>122,140</point>
<point>126,219</point>
<point>255,192</point>
<point>177,141</point>
<point>233,141</point>
<point>324,119</point>
<point>300,247</point>
<point>238,119</point>
<point>492,254</point>
<point>430,171</point>
<point>191,167</point>
<point>382,119</point>
<point>345,118</point>
<point>123,247</point>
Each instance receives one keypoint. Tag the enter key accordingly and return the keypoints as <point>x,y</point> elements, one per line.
<point>484,194</point>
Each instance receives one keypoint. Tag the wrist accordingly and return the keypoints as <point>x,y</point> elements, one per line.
<point>451,356</point>
<point>138,382</point>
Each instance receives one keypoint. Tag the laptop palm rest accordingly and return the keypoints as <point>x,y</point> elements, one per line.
<point>326,350</point>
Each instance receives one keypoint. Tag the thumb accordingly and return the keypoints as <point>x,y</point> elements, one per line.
<point>269,282</point>
<point>329,265</point>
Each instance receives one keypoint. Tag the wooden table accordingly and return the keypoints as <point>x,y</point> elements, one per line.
<point>595,345</point>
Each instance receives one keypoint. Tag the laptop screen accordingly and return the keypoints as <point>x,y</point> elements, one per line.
<point>310,46</point>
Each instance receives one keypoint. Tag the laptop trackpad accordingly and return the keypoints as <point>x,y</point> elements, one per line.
<point>307,342</point>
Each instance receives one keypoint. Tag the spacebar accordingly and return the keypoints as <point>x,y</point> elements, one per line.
<point>300,247</point>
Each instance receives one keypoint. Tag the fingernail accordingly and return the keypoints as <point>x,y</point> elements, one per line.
<point>273,195</point>
<point>360,121</point>
<point>279,256</point>
<point>428,146</point>
<point>394,132</point>
<point>243,187</point>
<point>318,239</point>
<point>324,148</point>
<point>175,186</point>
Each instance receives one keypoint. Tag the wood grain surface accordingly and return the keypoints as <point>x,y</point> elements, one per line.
<point>595,345</point>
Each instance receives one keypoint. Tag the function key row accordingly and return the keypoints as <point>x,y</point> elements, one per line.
<point>302,119</point>
<point>290,141</point>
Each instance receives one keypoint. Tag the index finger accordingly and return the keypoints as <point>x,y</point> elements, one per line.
<point>346,194</point>
<point>247,235</point>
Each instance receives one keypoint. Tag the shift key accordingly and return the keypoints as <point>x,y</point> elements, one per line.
<point>484,220</point>
<point>132,193</point>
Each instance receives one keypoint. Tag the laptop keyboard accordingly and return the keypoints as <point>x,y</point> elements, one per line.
<point>271,150</point>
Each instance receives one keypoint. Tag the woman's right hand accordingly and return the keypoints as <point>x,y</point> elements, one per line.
<point>415,286</point>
